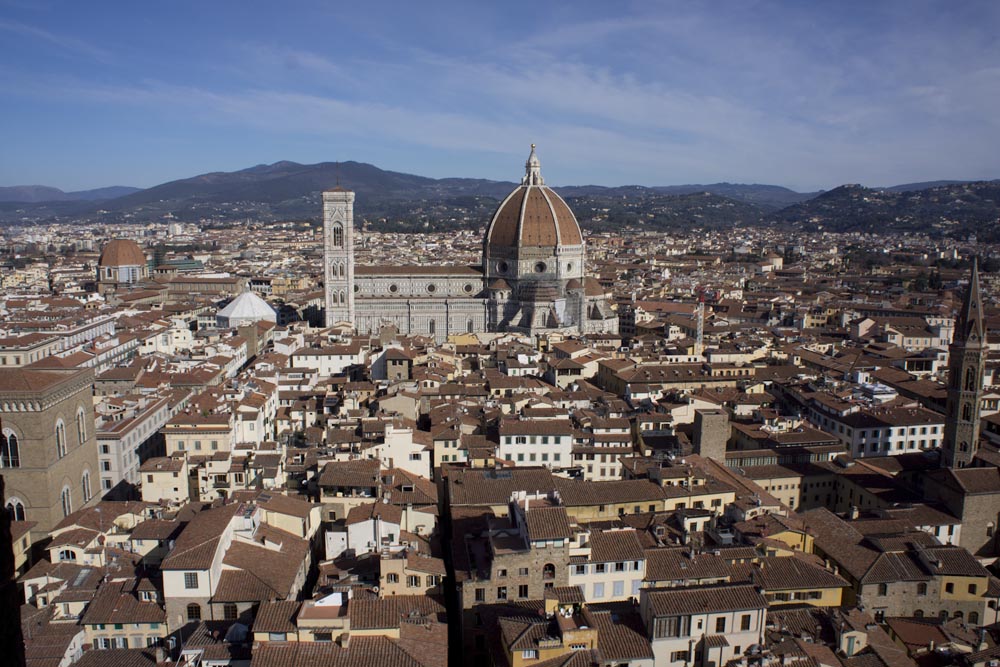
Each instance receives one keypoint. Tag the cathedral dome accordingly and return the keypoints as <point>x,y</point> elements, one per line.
<point>121,252</point>
<point>533,215</point>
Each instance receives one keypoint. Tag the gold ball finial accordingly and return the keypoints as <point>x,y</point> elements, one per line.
<point>532,146</point>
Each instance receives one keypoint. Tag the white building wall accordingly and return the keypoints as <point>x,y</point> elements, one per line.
<point>551,451</point>
<point>399,451</point>
<point>366,536</point>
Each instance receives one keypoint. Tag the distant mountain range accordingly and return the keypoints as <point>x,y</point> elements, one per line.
<point>394,200</point>
<point>43,193</point>
<point>953,208</point>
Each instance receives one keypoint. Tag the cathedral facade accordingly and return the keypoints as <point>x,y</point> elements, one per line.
<point>532,278</point>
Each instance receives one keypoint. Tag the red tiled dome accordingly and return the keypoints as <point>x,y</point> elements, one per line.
<point>533,215</point>
<point>122,252</point>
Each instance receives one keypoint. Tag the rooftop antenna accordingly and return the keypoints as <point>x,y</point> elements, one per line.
<point>336,166</point>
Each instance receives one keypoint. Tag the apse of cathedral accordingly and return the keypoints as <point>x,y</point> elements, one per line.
<point>532,278</point>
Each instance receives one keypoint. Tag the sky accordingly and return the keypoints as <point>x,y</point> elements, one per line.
<point>808,95</point>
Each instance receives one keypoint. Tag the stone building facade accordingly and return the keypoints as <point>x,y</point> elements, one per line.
<point>49,449</point>
<point>934,582</point>
<point>532,278</point>
<point>973,496</point>
<point>519,558</point>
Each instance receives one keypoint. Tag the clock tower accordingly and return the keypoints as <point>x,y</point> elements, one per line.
<point>966,364</point>
<point>338,255</point>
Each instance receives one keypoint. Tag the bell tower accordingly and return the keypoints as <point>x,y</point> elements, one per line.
<point>338,255</point>
<point>966,364</point>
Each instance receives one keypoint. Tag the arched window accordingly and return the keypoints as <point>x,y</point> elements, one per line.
<point>67,501</point>
<point>967,412</point>
<point>16,509</point>
<point>60,439</point>
<point>194,612</point>
<point>338,236</point>
<point>973,618</point>
<point>918,613</point>
<point>470,326</point>
<point>85,485</point>
<point>943,614</point>
<point>343,297</point>
<point>970,379</point>
<point>67,555</point>
<point>81,425</point>
<point>548,571</point>
<point>431,327</point>
<point>10,451</point>
<point>958,614</point>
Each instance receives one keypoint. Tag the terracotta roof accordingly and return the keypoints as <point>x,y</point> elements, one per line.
<point>533,216</point>
<point>547,523</point>
<point>696,600</point>
<point>25,380</point>
<point>383,511</point>
<point>418,490</point>
<point>578,492</point>
<point>677,565</point>
<point>360,473</point>
<point>363,651</point>
<point>275,569</point>
<point>117,657</point>
<point>277,616</point>
<point>621,636</point>
<point>242,586</point>
<point>978,480</point>
<point>122,252</point>
<point>394,611</point>
<point>779,573</point>
<point>196,545</point>
<point>615,546</point>
<point>479,486</point>
<point>282,504</point>
<point>115,603</point>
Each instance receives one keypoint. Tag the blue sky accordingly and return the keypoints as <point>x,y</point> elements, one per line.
<point>803,94</point>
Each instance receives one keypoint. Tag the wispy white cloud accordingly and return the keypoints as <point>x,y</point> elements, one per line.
<point>62,42</point>
<point>660,94</point>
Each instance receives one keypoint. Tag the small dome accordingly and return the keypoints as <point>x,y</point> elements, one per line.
<point>121,252</point>
<point>247,307</point>
<point>592,288</point>
<point>533,215</point>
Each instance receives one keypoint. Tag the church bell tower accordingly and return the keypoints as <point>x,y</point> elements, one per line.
<point>966,364</point>
<point>338,255</point>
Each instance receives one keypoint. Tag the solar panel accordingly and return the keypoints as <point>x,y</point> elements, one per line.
<point>81,576</point>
